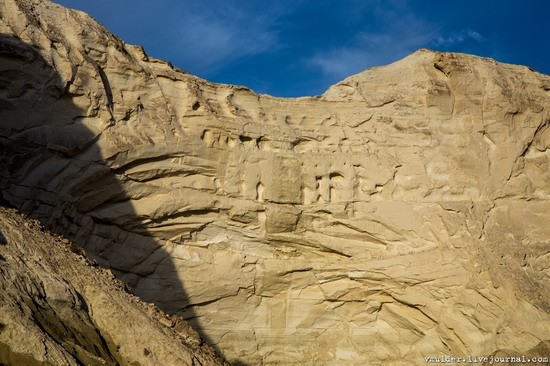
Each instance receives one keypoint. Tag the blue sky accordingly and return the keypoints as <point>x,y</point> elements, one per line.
<point>301,47</point>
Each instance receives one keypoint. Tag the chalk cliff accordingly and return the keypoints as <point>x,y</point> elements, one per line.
<point>400,215</point>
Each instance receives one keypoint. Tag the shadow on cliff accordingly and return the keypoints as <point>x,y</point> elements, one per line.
<point>50,169</point>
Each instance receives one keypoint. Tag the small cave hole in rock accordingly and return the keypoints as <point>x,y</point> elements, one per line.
<point>336,177</point>
<point>3,240</point>
<point>196,106</point>
<point>245,138</point>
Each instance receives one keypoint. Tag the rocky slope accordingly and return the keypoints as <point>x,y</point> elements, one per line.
<point>402,214</point>
<point>56,308</point>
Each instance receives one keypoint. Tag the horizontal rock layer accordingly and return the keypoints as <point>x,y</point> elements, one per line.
<point>400,215</point>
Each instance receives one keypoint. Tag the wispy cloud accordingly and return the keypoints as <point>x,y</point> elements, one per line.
<point>214,34</point>
<point>400,34</point>
<point>456,38</point>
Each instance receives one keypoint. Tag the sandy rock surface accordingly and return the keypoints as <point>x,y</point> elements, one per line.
<point>400,215</point>
<point>58,308</point>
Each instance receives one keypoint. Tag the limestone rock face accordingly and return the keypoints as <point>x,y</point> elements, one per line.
<point>402,214</point>
<point>57,309</point>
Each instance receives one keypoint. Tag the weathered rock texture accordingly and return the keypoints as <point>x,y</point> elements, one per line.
<point>404,213</point>
<point>58,309</point>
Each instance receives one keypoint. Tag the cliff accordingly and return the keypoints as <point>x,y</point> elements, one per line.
<point>400,215</point>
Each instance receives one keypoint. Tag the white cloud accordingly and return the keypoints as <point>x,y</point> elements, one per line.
<point>457,37</point>
<point>401,34</point>
<point>215,33</point>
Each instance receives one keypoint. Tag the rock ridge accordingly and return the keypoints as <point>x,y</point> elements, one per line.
<point>69,311</point>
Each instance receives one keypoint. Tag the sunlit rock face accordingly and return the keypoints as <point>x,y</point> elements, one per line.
<point>400,215</point>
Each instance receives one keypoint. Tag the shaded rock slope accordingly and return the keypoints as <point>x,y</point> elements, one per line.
<point>402,214</point>
<point>57,308</point>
